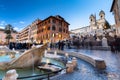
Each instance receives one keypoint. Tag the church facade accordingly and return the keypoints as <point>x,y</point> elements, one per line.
<point>99,26</point>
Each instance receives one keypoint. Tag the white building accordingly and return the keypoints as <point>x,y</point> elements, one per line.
<point>81,31</point>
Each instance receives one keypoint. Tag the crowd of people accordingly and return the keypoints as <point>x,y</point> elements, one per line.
<point>115,44</point>
<point>85,42</point>
<point>88,41</point>
<point>21,45</point>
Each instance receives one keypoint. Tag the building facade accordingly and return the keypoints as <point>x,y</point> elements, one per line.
<point>51,29</point>
<point>115,8</point>
<point>99,26</point>
<point>3,37</point>
<point>81,31</point>
<point>24,35</point>
<point>33,30</point>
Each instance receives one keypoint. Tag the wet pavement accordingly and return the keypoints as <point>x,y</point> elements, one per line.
<point>86,71</point>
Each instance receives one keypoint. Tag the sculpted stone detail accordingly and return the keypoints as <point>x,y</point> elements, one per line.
<point>26,59</point>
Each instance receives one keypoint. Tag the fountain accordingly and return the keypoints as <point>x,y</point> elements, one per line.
<point>26,63</point>
<point>33,64</point>
<point>49,67</point>
<point>54,55</point>
<point>5,50</point>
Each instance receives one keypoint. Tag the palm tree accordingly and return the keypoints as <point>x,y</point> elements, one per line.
<point>8,30</point>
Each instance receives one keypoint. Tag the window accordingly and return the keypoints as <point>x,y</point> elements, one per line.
<point>53,28</point>
<point>60,29</point>
<point>64,30</point>
<point>42,30</point>
<point>60,23</point>
<point>49,21</point>
<point>45,22</point>
<point>91,19</point>
<point>48,28</point>
<point>67,26</point>
<point>54,21</point>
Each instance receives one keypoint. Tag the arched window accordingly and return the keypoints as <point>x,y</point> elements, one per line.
<point>53,28</point>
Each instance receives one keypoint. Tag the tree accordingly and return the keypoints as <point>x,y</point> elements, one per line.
<point>8,30</point>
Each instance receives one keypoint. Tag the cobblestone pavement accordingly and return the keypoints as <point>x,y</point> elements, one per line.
<point>86,71</point>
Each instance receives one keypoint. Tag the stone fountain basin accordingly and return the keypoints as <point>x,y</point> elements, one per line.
<point>97,62</point>
<point>24,72</point>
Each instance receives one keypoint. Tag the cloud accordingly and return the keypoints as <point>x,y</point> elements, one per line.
<point>2,27</point>
<point>21,22</point>
<point>2,23</point>
<point>17,29</point>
